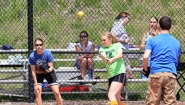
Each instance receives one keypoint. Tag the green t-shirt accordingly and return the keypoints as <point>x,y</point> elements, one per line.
<point>118,66</point>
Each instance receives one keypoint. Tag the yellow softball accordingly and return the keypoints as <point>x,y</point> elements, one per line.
<point>80,14</point>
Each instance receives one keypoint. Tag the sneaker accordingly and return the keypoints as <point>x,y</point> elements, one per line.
<point>80,78</point>
<point>94,83</point>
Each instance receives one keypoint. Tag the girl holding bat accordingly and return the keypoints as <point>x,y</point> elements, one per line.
<point>42,60</point>
<point>111,52</point>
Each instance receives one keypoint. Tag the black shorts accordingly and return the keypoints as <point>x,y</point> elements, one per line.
<point>118,78</point>
<point>50,78</point>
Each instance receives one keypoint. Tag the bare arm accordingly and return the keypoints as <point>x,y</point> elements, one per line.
<point>50,64</point>
<point>33,71</point>
<point>102,55</point>
<point>124,40</point>
<point>83,50</point>
<point>79,50</point>
<point>92,50</point>
<point>179,58</point>
<point>143,42</point>
<point>145,59</point>
<point>118,55</point>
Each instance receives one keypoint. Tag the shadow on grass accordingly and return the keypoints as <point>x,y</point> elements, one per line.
<point>99,96</point>
<point>13,99</point>
<point>136,97</point>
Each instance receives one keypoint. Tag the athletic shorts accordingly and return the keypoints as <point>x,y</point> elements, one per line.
<point>50,78</point>
<point>118,78</point>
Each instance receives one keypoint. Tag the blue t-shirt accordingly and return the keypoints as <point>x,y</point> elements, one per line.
<point>165,50</point>
<point>35,59</point>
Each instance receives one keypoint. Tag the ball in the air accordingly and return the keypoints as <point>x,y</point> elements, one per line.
<point>80,14</point>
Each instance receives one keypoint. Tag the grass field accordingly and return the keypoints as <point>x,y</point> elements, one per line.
<point>56,20</point>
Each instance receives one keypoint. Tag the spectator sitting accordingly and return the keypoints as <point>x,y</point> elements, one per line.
<point>84,61</point>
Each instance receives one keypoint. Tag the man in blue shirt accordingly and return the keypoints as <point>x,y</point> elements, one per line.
<point>164,51</point>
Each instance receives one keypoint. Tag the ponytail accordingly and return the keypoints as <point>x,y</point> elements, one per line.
<point>111,36</point>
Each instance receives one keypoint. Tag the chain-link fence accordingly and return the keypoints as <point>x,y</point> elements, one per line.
<point>56,22</point>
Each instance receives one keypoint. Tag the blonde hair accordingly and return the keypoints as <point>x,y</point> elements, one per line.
<point>111,36</point>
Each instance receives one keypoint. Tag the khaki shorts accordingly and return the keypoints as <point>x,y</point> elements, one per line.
<point>164,84</point>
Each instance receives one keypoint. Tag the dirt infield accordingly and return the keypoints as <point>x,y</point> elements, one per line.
<point>81,103</point>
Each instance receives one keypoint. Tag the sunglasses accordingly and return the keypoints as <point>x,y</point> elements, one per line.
<point>83,36</point>
<point>38,44</point>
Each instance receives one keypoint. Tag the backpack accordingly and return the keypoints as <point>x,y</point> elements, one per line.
<point>6,47</point>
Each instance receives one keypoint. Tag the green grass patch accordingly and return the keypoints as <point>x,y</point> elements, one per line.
<point>13,99</point>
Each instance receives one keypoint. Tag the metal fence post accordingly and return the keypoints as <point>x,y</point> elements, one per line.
<point>30,49</point>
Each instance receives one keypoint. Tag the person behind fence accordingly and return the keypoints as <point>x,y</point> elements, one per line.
<point>85,61</point>
<point>112,53</point>
<point>120,32</point>
<point>149,34</point>
<point>43,59</point>
<point>164,51</point>
<point>153,31</point>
